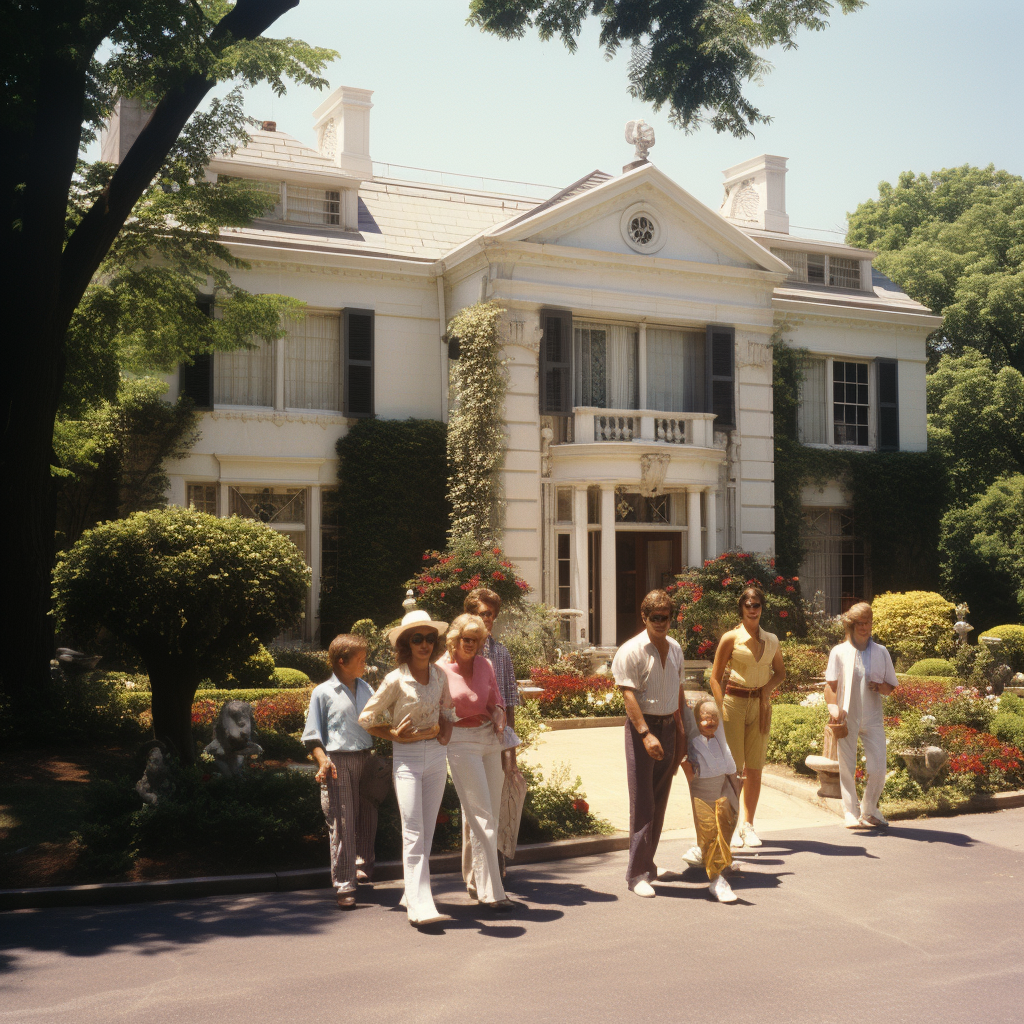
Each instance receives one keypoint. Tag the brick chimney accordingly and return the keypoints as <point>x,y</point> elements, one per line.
<point>755,194</point>
<point>343,130</point>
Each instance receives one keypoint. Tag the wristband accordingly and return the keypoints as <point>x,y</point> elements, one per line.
<point>646,732</point>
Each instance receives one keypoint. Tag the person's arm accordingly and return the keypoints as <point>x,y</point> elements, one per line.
<point>651,743</point>
<point>890,681</point>
<point>836,713</point>
<point>765,695</point>
<point>683,718</point>
<point>314,740</point>
<point>495,702</point>
<point>719,669</point>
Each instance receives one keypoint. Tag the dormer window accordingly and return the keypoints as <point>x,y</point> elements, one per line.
<point>821,268</point>
<point>297,204</point>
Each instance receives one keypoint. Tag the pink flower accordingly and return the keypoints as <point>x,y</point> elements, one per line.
<point>496,551</point>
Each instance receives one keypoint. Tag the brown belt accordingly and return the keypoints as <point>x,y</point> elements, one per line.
<point>741,691</point>
<point>658,718</point>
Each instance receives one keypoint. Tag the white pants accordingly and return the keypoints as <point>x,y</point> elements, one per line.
<point>474,755</point>
<point>420,772</point>
<point>872,736</point>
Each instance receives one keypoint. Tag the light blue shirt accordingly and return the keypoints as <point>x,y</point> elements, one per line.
<point>332,721</point>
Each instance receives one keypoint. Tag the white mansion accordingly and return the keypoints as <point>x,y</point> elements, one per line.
<point>639,410</point>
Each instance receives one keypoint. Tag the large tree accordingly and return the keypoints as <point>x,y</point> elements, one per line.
<point>696,56</point>
<point>954,240</point>
<point>60,77</point>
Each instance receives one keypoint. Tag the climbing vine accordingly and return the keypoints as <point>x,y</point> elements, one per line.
<point>476,439</point>
<point>898,497</point>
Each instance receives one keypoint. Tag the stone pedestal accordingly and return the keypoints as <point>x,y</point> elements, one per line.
<point>826,766</point>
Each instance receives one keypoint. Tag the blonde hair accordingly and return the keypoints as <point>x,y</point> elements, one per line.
<point>854,614</point>
<point>464,625</point>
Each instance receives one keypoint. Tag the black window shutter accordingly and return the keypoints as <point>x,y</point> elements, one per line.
<point>719,370</point>
<point>888,405</point>
<point>358,383</point>
<point>556,362</point>
<point>196,381</point>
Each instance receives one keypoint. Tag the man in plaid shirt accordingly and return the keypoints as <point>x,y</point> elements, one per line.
<point>486,603</point>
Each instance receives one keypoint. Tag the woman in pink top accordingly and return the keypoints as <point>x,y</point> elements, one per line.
<point>474,752</point>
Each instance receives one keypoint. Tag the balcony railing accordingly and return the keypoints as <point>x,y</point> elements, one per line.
<point>591,424</point>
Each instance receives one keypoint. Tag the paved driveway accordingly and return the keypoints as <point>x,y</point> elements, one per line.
<point>921,924</point>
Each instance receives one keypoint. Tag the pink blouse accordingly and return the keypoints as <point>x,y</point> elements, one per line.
<point>470,697</point>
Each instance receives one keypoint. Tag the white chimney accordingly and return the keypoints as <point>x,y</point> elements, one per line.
<point>755,194</point>
<point>343,130</point>
<point>126,121</point>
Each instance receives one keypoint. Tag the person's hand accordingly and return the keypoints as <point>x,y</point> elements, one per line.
<point>765,713</point>
<point>405,725</point>
<point>327,768</point>
<point>444,731</point>
<point>498,719</point>
<point>653,746</point>
<point>836,713</point>
<point>688,771</point>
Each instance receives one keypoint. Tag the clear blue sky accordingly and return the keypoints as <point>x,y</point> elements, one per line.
<point>901,85</point>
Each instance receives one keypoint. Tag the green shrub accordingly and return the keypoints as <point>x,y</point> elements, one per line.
<point>796,733</point>
<point>556,809</point>
<point>932,667</point>
<point>1011,704</point>
<point>804,664</point>
<point>914,625</point>
<point>531,633</point>
<point>281,746</point>
<point>289,679</point>
<point>91,708</point>
<point>1011,650</point>
<point>314,663</point>
<point>1008,728</point>
<point>255,672</point>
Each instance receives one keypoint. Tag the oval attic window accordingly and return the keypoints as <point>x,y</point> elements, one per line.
<point>641,228</point>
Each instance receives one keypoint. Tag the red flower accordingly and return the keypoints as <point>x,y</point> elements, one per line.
<point>442,593</point>
<point>790,590</point>
<point>476,554</point>
<point>726,581</point>
<point>497,575</point>
<point>443,817</point>
<point>580,805</point>
<point>426,557</point>
<point>783,615</point>
<point>697,627</point>
<point>522,585</point>
<point>465,586</point>
<point>779,579</point>
<point>496,551</point>
<point>679,617</point>
<point>704,647</point>
<point>796,579</point>
<point>706,564</point>
<point>456,570</point>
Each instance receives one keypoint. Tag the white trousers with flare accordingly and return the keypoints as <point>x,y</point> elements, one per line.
<point>872,736</point>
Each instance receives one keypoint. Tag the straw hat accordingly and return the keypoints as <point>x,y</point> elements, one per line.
<point>410,621</point>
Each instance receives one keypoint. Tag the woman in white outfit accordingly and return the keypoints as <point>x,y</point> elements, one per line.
<point>859,674</point>
<point>412,695</point>
<point>474,753</point>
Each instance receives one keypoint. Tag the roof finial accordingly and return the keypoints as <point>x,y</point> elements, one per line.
<point>641,135</point>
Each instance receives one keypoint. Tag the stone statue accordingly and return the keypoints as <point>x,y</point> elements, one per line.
<point>232,739</point>
<point>156,778</point>
<point>641,135</point>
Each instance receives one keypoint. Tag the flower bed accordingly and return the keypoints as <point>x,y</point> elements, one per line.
<point>572,696</point>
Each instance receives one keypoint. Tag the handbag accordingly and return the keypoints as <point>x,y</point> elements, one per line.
<point>375,780</point>
<point>513,796</point>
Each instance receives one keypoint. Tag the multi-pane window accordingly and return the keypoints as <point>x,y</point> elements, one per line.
<point>296,203</point>
<point>850,403</point>
<point>632,507</point>
<point>821,268</point>
<point>245,376</point>
<point>833,558</point>
<point>812,422</point>
<point>563,504</point>
<point>563,570</point>
<point>312,362</point>
<point>607,358</point>
<point>277,506</point>
<point>203,498</point>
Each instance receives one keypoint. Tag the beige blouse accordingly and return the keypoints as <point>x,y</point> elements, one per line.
<point>400,695</point>
<point>746,668</point>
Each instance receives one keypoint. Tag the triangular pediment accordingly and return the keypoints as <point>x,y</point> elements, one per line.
<point>642,212</point>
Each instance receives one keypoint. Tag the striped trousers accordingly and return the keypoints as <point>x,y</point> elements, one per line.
<point>351,821</point>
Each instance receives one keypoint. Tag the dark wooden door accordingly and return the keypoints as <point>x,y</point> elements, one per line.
<point>643,562</point>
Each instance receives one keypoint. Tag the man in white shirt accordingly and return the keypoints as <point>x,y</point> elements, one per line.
<point>648,669</point>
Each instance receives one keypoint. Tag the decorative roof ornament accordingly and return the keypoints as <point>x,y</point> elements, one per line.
<point>641,135</point>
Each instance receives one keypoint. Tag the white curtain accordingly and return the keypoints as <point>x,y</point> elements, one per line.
<point>607,357</point>
<point>675,370</point>
<point>312,362</point>
<point>245,376</point>
<point>811,420</point>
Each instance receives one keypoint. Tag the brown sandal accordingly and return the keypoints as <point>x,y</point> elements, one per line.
<point>346,900</point>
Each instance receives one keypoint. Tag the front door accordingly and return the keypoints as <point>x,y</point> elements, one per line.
<point>643,562</point>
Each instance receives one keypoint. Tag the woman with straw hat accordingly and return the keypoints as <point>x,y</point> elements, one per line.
<point>412,696</point>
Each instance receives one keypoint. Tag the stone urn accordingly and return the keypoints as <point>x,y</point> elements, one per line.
<point>826,766</point>
<point>927,759</point>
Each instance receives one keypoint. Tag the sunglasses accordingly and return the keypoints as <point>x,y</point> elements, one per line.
<point>657,618</point>
<point>751,605</point>
<point>469,639</point>
<point>423,638</point>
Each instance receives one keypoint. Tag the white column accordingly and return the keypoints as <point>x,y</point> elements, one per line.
<point>579,562</point>
<point>224,501</point>
<point>608,588</point>
<point>641,364</point>
<point>693,556</point>
<point>315,563</point>
<point>279,374</point>
<point>712,512</point>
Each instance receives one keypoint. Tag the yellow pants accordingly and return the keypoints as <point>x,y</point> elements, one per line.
<point>742,718</point>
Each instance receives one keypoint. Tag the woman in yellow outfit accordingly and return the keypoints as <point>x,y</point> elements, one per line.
<point>750,662</point>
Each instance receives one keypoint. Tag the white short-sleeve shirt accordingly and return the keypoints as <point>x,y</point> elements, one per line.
<point>637,666</point>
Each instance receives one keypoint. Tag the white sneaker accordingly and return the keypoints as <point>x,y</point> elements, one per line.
<point>644,889</point>
<point>750,836</point>
<point>668,875</point>
<point>736,843</point>
<point>693,857</point>
<point>721,890</point>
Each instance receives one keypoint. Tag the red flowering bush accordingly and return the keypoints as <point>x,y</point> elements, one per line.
<point>204,712</point>
<point>571,696</point>
<point>704,601</point>
<point>447,576</point>
<point>286,713</point>
<point>991,764</point>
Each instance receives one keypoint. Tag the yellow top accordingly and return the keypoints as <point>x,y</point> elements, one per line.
<point>745,668</point>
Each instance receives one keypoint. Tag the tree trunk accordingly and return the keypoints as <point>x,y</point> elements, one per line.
<point>174,689</point>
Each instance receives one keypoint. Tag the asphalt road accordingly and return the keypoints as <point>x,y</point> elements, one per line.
<point>925,923</point>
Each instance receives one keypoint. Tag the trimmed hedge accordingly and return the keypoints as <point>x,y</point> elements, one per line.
<point>932,667</point>
<point>1011,651</point>
<point>290,679</point>
<point>140,702</point>
<point>314,663</point>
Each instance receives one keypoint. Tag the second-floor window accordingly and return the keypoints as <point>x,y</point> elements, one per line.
<point>675,370</point>
<point>606,355</point>
<point>821,268</point>
<point>834,402</point>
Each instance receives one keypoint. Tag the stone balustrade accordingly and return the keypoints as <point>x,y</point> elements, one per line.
<point>645,425</point>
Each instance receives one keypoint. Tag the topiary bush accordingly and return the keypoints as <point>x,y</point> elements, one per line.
<point>914,625</point>
<point>186,590</point>
<point>315,663</point>
<point>932,667</point>
<point>1011,650</point>
<point>704,601</point>
<point>289,679</point>
<point>254,673</point>
<point>531,632</point>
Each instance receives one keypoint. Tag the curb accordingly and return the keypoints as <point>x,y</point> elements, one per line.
<point>111,893</point>
<point>555,724</point>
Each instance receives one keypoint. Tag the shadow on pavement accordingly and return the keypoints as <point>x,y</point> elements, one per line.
<point>784,846</point>
<point>923,835</point>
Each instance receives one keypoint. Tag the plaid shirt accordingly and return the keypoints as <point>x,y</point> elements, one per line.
<point>497,654</point>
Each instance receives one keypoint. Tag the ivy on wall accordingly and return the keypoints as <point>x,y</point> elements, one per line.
<point>476,438</point>
<point>898,497</point>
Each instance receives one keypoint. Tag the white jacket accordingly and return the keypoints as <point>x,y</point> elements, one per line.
<point>840,671</point>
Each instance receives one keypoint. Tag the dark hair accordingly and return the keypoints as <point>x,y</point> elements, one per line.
<point>403,649</point>
<point>475,598</point>
<point>750,592</point>
<point>655,599</point>
<point>344,646</point>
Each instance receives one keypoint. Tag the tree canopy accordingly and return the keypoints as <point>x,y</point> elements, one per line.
<point>696,56</point>
<point>954,240</point>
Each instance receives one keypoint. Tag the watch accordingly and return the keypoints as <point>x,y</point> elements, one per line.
<point>646,732</point>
